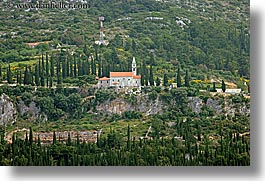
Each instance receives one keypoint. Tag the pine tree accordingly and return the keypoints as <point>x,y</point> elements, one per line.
<point>187,79</point>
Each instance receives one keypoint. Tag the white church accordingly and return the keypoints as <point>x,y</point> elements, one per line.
<point>121,79</point>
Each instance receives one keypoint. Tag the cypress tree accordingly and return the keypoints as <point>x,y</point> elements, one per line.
<point>31,76</point>
<point>187,79</point>
<point>214,87</point>
<point>37,76</point>
<point>30,136</point>
<point>128,137</point>
<point>20,77</point>
<point>47,65</point>
<point>71,73</point>
<point>42,62</point>
<point>178,78</point>
<point>54,138</point>
<point>0,71</point>
<point>79,67</point>
<point>165,81</point>
<point>9,75</point>
<point>75,68</point>
<point>26,76</point>
<point>52,65</point>
<point>68,140</point>
<point>88,67</point>
<point>50,81</point>
<point>42,80</point>
<point>223,86</point>
<point>67,67</point>
<point>64,70</point>
<point>151,77</point>
<point>17,76</point>
<point>99,68</point>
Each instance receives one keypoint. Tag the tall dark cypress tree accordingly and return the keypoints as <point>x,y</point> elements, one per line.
<point>17,76</point>
<point>9,75</point>
<point>75,66</point>
<point>214,87</point>
<point>71,72</point>
<point>52,65</point>
<point>20,77</point>
<point>31,76</point>
<point>64,70</point>
<point>30,136</point>
<point>223,86</point>
<point>54,138</point>
<point>37,76</point>
<point>47,64</point>
<point>50,82</point>
<point>67,66</point>
<point>0,71</point>
<point>42,62</point>
<point>128,137</point>
<point>99,68</point>
<point>187,79</point>
<point>26,76</point>
<point>178,78</point>
<point>151,76</point>
<point>42,80</point>
<point>88,67</point>
<point>165,80</point>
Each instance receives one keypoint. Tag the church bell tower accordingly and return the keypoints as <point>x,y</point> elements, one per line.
<point>134,66</point>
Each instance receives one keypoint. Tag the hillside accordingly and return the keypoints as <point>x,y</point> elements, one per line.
<point>191,107</point>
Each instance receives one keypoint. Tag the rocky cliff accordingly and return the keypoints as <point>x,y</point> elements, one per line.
<point>8,110</point>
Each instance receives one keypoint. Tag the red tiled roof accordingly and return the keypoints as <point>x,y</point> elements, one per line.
<point>104,78</point>
<point>136,76</point>
<point>121,74</point>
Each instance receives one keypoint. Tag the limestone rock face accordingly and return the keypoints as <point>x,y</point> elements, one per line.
<point>32,112</point>
<point>8,112</point>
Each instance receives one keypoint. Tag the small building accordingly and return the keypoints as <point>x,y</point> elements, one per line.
<point>230,91</point>
<point>121,79</point>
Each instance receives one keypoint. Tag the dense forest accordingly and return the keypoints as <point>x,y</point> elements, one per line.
<point>232,150</point>
<point>198,46</point>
